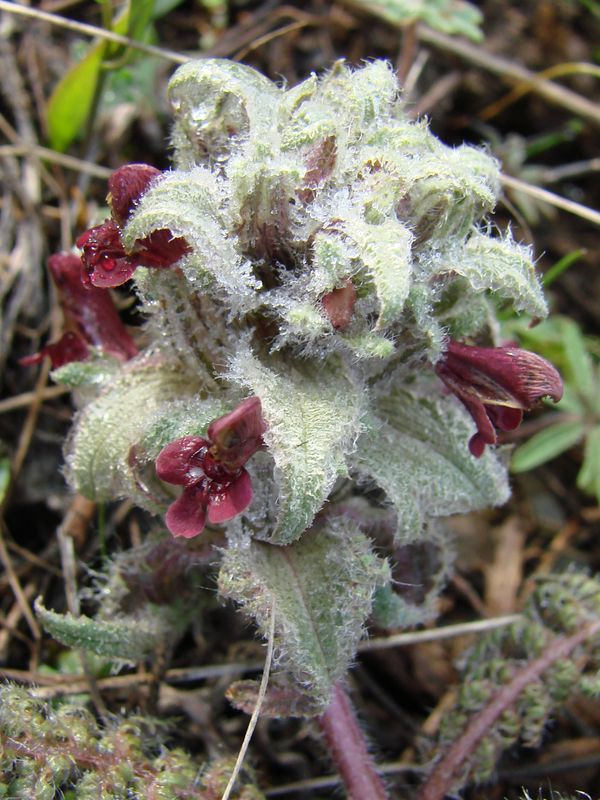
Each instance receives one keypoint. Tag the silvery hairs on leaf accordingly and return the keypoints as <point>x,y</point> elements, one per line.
<point>322,588</point>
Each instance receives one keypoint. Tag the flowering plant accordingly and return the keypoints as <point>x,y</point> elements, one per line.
<point>311,267</point>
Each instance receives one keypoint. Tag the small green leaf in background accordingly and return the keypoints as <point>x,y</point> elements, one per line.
<point>141,14</point>
<point>547,444</point>
<point>4,473</point>
<point>578,359</point>
<point>561,266</point>
<point>447,16</point>
<point>589,476</point>
<point>71,101</point>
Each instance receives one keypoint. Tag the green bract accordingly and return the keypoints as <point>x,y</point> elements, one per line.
<point>292,201</point>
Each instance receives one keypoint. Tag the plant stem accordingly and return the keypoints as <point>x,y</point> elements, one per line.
<point>348,749</point>
<point>441,779</point>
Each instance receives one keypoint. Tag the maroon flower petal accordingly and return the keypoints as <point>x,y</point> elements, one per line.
<point>485,428</point>
<point>111,272</point>
<point>226,502</point>
<point>187,515</point>
<point>70,347</point>
<point>505,418</point>
<point>160,249</point>
<point>236,436</point>
<point>180,462</point>
<point>339,305</point>
<point>504,375</point>
<point>104,258</point>
<point>497,384</point>
<point>489,419</point>
<point>477,445</point>
<point>90,311</point>
<point>125,187</point>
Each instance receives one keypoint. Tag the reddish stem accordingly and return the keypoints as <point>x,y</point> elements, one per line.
<point>441,779</point>
<point>348,749</point>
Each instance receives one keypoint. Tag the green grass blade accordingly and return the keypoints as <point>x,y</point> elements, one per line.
<point>71,101</point>
<point>546,445</point>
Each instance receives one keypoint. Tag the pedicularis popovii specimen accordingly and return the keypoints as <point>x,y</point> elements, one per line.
<point>316,272</point>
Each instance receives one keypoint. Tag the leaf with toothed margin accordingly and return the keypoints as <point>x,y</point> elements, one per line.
<point>415,447</point>
<point>218,104</point>
<point>497,265</point>
<point>313,417</point>
<point>187,204</point>
<point>359,97</point>
<point>385,254</point>
<point>320,589</point>
<point>130,639</point>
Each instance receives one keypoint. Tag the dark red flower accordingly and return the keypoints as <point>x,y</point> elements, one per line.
<point>70,347</point>
<point>216,485</point>
<point>105,259</point>
<point>497,384</point>
<point>90,318</point>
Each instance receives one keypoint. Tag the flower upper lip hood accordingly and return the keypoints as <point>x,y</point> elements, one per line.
<point>125,187</point>
<point>107,263</point>
<point>216,485</point>
<point>497,384</point>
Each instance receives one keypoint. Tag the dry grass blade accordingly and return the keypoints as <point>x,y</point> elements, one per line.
<point>268,37</point>
<point>557,71</point>
<point>444,632</point>
<point>514,73</point>
<point>92,30</point>
<point>25,399</point>
<point>17,588</point>
<point>63,160</point>
<point>255,714</point>
<point>331,781</point>
<point>556,200</point>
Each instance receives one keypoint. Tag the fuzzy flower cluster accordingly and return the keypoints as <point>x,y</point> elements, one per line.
<point>315,227</point>
<point>319,278</point>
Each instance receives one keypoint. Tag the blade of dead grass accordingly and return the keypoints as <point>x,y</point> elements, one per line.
<point>513,73</point>
<point>15,585</point>
<point>92,30</point>
<point>255,714</point>
<point>556,71</point>
<point>62,159</point>
<point>556,200</point>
